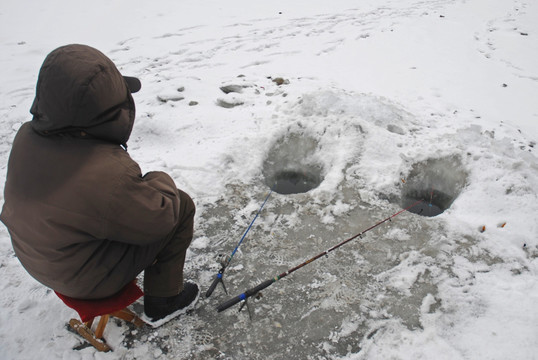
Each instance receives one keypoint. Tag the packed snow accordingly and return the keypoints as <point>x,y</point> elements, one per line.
<point>377,103</point>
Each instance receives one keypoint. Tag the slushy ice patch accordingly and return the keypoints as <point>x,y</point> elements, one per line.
<point>437,182</point>
<point>290,167</point>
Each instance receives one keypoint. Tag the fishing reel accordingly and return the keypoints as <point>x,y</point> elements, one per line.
<point>222,259</point>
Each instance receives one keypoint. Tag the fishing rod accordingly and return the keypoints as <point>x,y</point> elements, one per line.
<point>253,291</point>
<point>225,263</point>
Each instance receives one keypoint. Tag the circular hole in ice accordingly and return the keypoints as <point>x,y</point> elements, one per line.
<point>293,182</point>
<point>433,202</point>
<point>437,182</point>
<point>291,167</point>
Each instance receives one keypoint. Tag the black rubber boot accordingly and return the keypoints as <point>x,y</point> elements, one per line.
<point>157,308</point>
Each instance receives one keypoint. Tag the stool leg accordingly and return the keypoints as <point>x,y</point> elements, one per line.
<point>129,316</point>
<point>101,326</point>
<point>88,334</point>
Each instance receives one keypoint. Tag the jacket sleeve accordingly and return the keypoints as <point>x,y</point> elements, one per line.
<point>143,209</point>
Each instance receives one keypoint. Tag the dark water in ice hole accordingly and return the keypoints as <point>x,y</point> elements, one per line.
<point>434,202</point>
<point>294,182</point>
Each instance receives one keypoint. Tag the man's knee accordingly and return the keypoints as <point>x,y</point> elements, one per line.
<point>187,206</point>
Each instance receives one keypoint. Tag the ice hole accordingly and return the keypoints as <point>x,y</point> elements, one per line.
<point>437,182</point>
<point>290,166</point>
<point>433,202</point>
<point>293,182</point>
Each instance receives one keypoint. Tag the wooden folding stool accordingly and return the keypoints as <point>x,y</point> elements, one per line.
<point>115,305</point>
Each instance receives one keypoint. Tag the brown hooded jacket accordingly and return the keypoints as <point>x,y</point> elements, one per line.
<point>82,218</point>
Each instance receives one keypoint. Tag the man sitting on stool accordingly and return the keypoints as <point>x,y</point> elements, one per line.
<point>83,219</point>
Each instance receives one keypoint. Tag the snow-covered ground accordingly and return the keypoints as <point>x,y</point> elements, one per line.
<point>382,100</point>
